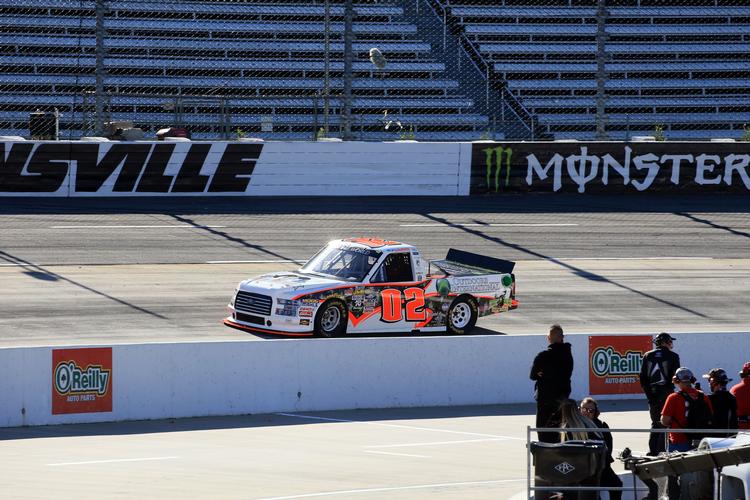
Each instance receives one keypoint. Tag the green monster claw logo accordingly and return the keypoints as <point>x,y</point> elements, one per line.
<point>497,153</point>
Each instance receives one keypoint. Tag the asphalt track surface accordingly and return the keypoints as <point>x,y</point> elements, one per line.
<point>92,271</point>
<point>89,271</point>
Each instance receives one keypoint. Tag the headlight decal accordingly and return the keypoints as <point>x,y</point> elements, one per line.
<point>287,307</point>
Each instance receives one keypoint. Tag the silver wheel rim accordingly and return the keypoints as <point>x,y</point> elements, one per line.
<point>460,315</point>
<point>331,319</point>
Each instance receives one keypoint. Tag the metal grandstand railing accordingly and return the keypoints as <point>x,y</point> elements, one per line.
<point>381,69</point>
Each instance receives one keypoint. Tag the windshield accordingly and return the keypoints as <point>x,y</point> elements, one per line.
<point>343,262</point>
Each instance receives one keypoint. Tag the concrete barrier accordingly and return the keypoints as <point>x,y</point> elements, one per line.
<point>105,169</point>
<point>153,381</point>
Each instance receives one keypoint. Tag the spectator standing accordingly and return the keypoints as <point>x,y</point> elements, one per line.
<point>551,371</point>
<point>657,369</point>
<point>741,391</point>
<point>590,409</point>
<point>675,416</point>
<point>723,402</point>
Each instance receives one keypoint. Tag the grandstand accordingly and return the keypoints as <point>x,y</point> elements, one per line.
<point>456,69</point>
<point>224,69</point>
<point>683,65</point>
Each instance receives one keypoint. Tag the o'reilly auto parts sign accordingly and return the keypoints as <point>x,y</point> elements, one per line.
<point>81,380</point>
<point>615,363</point>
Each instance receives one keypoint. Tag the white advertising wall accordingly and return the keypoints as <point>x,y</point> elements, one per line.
<point>153,381</point>
<point>240,168</point>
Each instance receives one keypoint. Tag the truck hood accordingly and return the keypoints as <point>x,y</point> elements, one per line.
<point>292,283</point>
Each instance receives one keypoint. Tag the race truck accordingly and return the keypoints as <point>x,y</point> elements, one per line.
<point>363,285</point>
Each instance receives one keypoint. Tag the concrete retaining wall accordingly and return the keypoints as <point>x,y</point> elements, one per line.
<point>80,168</point>
<point>152,381</point>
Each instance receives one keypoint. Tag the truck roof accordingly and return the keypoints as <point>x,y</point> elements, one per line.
<point>379,244</point>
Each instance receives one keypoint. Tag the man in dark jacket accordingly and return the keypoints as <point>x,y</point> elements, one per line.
<point>724,403</point>
<point>657,369</point>
<point>552,369</point>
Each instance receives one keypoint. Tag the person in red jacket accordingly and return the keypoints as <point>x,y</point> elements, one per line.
<point>741,391</point>
<point>674,413</point>
<point>675,416</point>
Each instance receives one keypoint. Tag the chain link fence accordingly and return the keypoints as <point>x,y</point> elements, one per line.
<point>444,70</point>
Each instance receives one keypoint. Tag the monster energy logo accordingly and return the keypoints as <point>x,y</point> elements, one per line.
<point>494,158</point>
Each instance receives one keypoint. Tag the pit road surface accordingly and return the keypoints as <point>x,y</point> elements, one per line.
<point>458,453</point>
<point>77,271</point>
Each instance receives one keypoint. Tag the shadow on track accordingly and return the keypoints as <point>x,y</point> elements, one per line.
<point>34,271</point>
<point>290,418</point>
<point>233,239</point>
<point>476,331</point>
<point>575,270</point>
<point>712,224</point>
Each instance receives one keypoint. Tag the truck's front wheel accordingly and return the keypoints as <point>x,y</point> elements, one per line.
<point>331,320</point>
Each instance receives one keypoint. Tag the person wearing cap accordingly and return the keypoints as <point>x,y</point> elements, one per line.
<point>674,416</point>
<point>724,403</point>
<point>551,372</point>
<point>741,392</point>
<point>658,367</point>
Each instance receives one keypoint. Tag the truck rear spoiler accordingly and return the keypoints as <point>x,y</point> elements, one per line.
<point>461,263</point>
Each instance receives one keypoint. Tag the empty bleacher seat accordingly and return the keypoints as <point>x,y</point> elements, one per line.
<point>680,66</point>
<point>219,65</point>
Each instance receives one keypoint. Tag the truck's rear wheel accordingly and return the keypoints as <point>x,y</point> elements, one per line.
<point>462,316</point>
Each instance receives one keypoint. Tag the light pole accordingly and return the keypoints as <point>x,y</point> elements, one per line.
<point>601,74</point>
<point>100,11</point>
<point>346,112</point>
<point>326,66</point>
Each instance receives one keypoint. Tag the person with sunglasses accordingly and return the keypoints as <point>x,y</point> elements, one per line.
<point>590,408</point>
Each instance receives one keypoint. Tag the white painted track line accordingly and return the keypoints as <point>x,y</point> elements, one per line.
<point>114,460</point>
<point>494,224</point>
<point>398,426</point>
<point>437,443</point>
<point>301,262</point>
<point>395,488</point>
<point>254,262</point>
<point>162,226</point>
<point>396,454</point>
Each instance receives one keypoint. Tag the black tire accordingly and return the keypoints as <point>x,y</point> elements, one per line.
<point>331,319</point>
<point>462,316</point>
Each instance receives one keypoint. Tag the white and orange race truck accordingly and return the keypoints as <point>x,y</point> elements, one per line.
<point>362,285</point>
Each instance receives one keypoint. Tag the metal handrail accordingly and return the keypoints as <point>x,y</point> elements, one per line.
<point>476,59</point>
<point>665,431</point>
